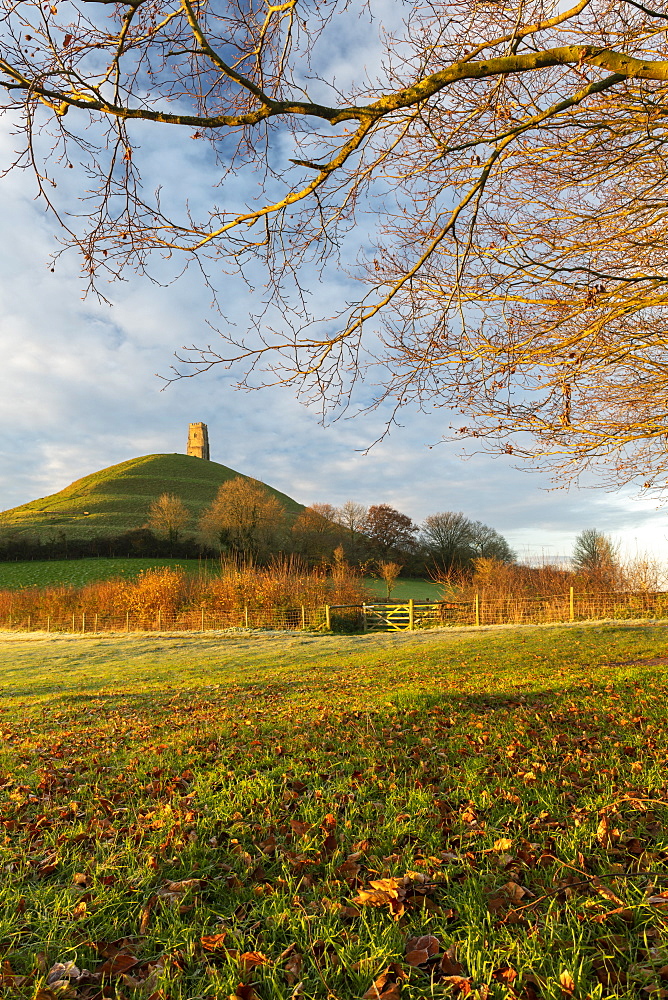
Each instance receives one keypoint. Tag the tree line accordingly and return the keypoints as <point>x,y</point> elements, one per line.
<point>246,521</point>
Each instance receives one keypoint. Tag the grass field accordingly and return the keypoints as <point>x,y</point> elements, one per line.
<point>403,590</point>
<point>251,817</point>
<point>79,572</point>
<point>117,499</point>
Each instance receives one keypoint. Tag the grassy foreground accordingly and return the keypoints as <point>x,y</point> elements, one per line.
<point>335,817</point>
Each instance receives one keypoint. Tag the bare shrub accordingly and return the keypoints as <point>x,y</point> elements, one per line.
<point>285,583</point>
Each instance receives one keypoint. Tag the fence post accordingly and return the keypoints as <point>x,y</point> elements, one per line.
<point>246,614</point>
<point>411,615</point>
<point>83,622</point>
<point>476,607</point>
<point>48,623</point>
<point>74,623</point>
<point>303,617</point>
<point>328,618</point>
<point>572,606</point>
<point>95,625</point>
<point>159,619</point>
<point>29,620</point>
<point>127,621</point>
<point>364,628</point>
<point>202,619</point>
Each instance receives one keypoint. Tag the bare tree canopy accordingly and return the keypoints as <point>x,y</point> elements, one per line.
<point>168,515</point>
<point>508,156</point>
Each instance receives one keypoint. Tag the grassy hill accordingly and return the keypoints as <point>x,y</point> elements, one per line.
<point>116,499</point>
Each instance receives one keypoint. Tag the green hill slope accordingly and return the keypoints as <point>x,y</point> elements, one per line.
<point>116,499</point>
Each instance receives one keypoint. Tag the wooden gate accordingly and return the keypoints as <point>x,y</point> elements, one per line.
<point>399,617</point>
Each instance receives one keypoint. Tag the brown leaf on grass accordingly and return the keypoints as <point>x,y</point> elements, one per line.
<point>448,965</point>
<point>503,844</point>
<point>8,978</point>
<point>250,960</point>
<point>108,949</point>
<point>117,965</point>
<point>624,913</point>
<point>329,845</point>
<point>388,984</point>
<point>567,983</point>
<point>507,896</point>
<point>293,963</point>
<point>300,829</point>
<point>420,949</point>
<point>79,911</point>
<point>409,892</point>
<point>62,972</point>
<point>505,974</point>
<point>213,942</point>
<point>145,914</point>
<point>268,846</point>
<point>530,989</point>
<point>244,992</point>
<point>184,886</point>
<point>458,984</point>
<point>348,869</point>
<point>606,834</point>
<point>606,892</point>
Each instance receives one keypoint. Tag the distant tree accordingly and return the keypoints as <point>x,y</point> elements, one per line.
<point>352,516</point>
<point>454,541</point>
<point>595,553</point>
<point>315,532</point>
<point>167,516</point>
<point>389,529</point>
<point>489,544</point>
<point>448,539</point>
<point>244,518</point>
<point>389,571</point>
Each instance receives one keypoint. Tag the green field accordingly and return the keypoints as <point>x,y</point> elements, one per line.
<point>78,572</point>
<point>246,816</point>
<point>117,499</point>
<point>403,590</point>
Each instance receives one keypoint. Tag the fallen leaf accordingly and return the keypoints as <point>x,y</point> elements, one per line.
<point>244,992</point>
<point>420,949</point>
<point>184,886</point>
<point>567,983</point>
<point>213,942</point>
<point>249,960</point>
<point>62,972</point>
<point>505,974</point>
<point>458,984</point>
<point>388,984</point>
<point>117,965</point>
<point>301,829</point>
<point>503,844</point>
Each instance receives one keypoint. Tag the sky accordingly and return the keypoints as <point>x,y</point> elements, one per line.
<point>79,392</point>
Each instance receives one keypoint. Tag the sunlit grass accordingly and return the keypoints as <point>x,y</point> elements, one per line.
<point>284,775</point>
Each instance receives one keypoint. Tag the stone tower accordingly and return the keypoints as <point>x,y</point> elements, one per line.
<point>198,441</point>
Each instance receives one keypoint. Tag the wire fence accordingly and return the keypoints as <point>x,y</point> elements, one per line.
<point>198,620</point>
<point>412,615</point>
